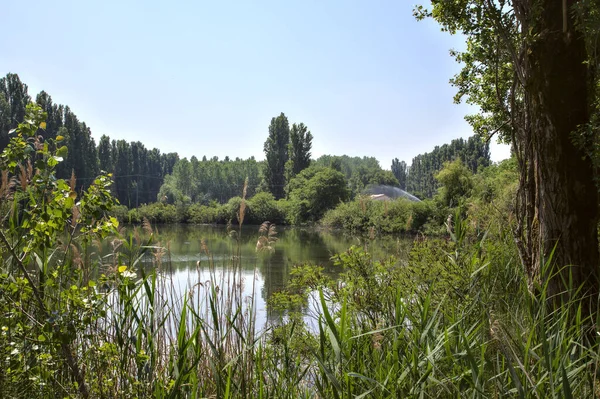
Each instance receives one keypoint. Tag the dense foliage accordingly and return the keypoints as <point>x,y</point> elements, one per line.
<point>473,152</point>
<point>532,69</point>
<point>454,318</point>
<point>478,310</point>
<point>209,180</point>
<point>277,155</point>
<point>137,171</point>
<point>167,189</point>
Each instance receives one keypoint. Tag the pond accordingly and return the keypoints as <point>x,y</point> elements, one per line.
<point>190,253</point>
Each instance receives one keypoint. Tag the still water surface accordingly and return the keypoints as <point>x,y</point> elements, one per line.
<point>262,272</point>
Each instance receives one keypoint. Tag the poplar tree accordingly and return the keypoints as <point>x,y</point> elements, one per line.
<point>276,152</point>
<point>400,170</point>
<point>299,149</point>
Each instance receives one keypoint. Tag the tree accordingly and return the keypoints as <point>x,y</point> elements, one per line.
<point>13,99</point>
<point>364,177</point>
<point>314,191</point>
<point>529,67</point>
<point>473,152</point>
<point>299,150</point>
<point>276,152</point>
<point>457,182</point>
<point>122,160</point>
<point>400,170</point>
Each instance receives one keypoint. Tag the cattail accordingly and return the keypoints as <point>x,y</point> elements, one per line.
<point>77,261</point>
<point>158,254</point>
<point>23,178</point>
<point>267,237</point>
<point>146,226</point>
<point>29,169</point>
<point>75,216</point>
<point>409,222</point>
<point>242,211</point>
<point>6,186</point>
<point>204,246</point>
<point>73,180</point>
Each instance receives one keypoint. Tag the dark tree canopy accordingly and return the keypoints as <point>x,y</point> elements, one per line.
<point>531,66</point>
<point>299,149</point>
<point>13,99</point>
<point>137,171</point>
<point>276,152</point>
<point>473,152</point>
<point>400,170</point>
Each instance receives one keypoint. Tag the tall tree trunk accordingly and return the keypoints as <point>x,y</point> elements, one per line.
<point>563,197</point>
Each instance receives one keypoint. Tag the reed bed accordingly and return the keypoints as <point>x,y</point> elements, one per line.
<point>472,330</point>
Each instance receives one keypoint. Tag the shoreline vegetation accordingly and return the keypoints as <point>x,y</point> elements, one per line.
<point>498,295</point>
<point>456,318</point>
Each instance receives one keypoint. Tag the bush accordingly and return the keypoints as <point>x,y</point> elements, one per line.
<point>203,214</point>
<point>263,207</point>
<point>156,213</point>
<point>389,217</point>
<point>314,191</point>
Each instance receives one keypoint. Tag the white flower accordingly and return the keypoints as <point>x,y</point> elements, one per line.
<point>128,274</point>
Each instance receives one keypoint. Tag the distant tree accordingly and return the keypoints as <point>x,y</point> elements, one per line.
<point>473,152</point>
<point>13,99</point>
<point>456,182</point>
<point>299,149</point>
<point>314,191</point>
<point>365,176</point>
<point>276,152</point>
<point>183,176</point>
<point>336,164</point>
<point>400,170</point>
<point>122,177</point>
<point>210,179</point>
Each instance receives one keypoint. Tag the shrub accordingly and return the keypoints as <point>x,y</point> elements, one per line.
<point>156,213</point>
<point>263,207</point>
<point>389,217</point>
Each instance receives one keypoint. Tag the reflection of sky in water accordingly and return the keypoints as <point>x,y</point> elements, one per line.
<point>185,280</point>
<point>187,266</point>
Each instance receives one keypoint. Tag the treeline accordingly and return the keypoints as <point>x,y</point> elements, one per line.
<point>137,171</point>
<point>287,152</point>
<point>144,176</point>
<point>206,180</point>
<point>419,178</point>
<point>360,172</point>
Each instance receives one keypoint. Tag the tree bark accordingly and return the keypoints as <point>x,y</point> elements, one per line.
<point>561,191</point>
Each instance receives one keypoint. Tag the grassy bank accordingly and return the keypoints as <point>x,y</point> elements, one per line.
<point>454,319</point>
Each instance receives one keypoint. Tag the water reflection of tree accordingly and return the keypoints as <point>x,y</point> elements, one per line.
<point>274,269</point>
<point>295,246</point>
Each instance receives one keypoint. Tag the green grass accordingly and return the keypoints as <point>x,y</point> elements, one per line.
<point>467,328</point>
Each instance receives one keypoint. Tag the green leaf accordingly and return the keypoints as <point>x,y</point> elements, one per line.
<point>62,151</point>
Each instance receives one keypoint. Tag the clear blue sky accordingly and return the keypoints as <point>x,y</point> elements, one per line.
<point>205,78</point>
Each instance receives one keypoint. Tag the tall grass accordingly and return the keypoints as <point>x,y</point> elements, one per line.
<point>457,321</point>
